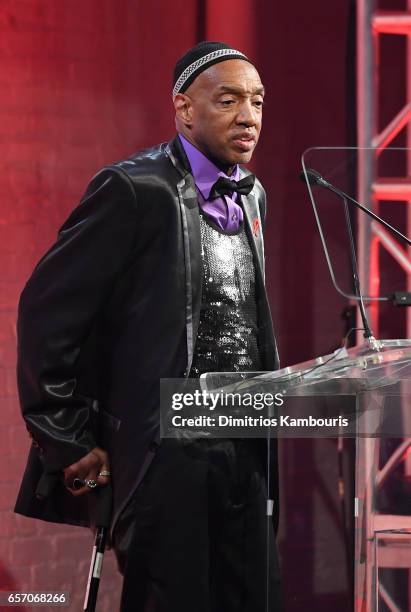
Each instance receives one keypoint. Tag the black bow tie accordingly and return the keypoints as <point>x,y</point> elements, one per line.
<point>224,186</point>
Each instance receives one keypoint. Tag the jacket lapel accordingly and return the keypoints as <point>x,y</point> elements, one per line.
<point>188,204</point>
<point>254,228</point>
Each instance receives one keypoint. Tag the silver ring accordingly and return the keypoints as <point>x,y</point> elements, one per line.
<point>91,484</point>
<point>104,473</point>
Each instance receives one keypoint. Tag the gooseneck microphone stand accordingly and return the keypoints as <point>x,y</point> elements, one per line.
<point>314,178</point>
<point>368,335</point>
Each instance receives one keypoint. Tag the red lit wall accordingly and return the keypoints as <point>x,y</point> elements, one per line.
<point>83,83</point>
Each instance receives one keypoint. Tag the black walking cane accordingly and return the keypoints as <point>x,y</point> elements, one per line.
<point>103,513</point>
<point>46,484</point>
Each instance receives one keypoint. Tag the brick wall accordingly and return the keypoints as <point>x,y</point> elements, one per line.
<point>78,90</point>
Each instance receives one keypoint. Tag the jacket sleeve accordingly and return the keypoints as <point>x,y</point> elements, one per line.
<point>57,309</point>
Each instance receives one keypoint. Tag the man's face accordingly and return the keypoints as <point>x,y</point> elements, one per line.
<point>222,112</point>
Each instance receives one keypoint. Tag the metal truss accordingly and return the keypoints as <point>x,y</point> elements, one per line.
<point>372,189</point>
<point>372,23</point>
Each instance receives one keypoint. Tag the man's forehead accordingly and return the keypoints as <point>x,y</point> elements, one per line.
<point>231,74</point>
<point>245,87</point>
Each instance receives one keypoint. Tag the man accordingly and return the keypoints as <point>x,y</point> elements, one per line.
<point>159,273</point>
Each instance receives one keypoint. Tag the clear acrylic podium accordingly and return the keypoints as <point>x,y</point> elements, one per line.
<point>373,388</point>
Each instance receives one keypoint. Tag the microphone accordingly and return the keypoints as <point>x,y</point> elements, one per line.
<point>314,178</point>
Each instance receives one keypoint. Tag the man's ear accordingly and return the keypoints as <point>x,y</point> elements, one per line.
<point>183,108</point>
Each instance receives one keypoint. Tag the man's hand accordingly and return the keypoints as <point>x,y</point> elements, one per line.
<point>87,468</point>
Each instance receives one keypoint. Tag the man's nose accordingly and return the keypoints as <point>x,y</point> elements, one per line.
<point>247,114</point>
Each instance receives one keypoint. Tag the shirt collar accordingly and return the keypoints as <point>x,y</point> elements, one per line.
<point>205,173</point>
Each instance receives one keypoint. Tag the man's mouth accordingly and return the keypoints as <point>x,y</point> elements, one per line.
<point>245,142</point>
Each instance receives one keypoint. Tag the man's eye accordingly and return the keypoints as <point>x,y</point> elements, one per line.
<point>259,103</point>
<point>227,102</point>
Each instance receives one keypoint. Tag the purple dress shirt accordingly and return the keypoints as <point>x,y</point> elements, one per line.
<point>224,211</point>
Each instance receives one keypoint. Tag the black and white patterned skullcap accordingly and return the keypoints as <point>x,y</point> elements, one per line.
<point>199,58</point>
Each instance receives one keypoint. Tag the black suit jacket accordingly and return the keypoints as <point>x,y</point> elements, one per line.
<point>110,309</point>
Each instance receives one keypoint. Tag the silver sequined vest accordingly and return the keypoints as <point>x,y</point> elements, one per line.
<point>227,332</point>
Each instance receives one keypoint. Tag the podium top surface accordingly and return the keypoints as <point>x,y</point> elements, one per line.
<point>344,371</point>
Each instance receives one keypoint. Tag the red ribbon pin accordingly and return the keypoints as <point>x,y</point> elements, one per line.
<point>256,226</point>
